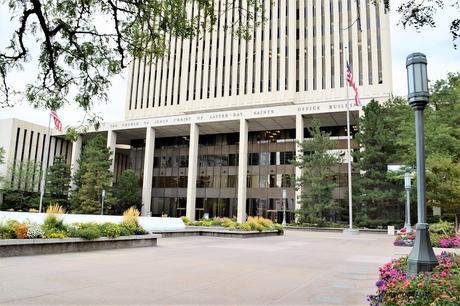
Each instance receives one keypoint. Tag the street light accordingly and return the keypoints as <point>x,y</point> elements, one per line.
<point>102,202</point>
<point>407,186</point>
<point>421,258</point>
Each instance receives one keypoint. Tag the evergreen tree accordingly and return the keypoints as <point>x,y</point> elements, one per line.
<point>93,177</point>
<point>317,181</point>
<point>376,195</point>
<point>58,182</point>
<point>128,192</point>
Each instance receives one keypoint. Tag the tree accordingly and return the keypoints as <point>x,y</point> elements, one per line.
<point>376,196</point>
<point>83,43</point>
<point>443,183</point>
<point>128,192</point>
<point>317,181</point>
<point>20,187</point>
<point>93,177</point>
<point>58,182</point>
<point>420,13</point>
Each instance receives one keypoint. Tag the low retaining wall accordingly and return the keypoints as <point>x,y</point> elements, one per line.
<point>148,223</point>
<point>334,229</point>
<point>24,247</point>
<point>216,232</point>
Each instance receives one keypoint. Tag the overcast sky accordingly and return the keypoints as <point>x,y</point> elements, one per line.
<point>436,43</point>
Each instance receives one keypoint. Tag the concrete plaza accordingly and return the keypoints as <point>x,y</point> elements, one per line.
<point>299,268</point>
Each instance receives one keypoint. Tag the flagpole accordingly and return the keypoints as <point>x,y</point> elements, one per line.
<point>350,202</point>
<point>42,184</point>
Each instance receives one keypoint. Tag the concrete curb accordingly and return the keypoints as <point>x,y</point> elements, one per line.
<point>25,247</point>
<point>215,232</point>
<point>333,229</point>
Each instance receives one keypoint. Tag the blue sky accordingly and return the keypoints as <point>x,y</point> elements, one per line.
<point>436,43</point>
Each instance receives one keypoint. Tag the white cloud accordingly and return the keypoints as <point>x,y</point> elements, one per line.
<point>436,43</point>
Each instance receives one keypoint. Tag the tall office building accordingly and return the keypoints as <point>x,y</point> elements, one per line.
<point>211,127</point>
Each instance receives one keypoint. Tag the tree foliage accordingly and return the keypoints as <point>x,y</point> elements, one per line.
<point>23,175</point>
<point>319,167</point>
<point>93,176</point>
<point>443,182</point>
<point>127,192</point>
<point>83,43</point>
<point>58,182</point>
<point>375,194</point>
<point>387,136</point>
<point>421,13</point>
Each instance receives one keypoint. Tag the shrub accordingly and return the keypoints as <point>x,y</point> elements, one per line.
<point>111,230</point>
<point>442,228</point>
<point>8,230</point>
<point>55,234</point>
<point>245,227</point>
<point>260,227</point>
<point>439,287</point>
<point>186,220</point>
<point>89,233</point>
<point>217,221</point>
<point>21,231</point>
<point>53,223</point>
<point>34,231</point>
<point>229,223</point>
<point>125,230</point>
<point>278,227</point>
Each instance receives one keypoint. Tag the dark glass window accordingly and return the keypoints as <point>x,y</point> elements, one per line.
<point>233,159</point>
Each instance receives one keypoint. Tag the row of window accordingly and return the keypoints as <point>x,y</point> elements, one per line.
<point>225,181</point>
<point>271,208</point>
<point>221,64</point>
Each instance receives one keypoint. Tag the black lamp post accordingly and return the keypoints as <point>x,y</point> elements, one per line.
<point>421,258</point>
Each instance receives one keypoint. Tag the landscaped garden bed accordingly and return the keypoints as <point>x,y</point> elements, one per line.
<point>253,224</point>
<point>442,235</point>
<point>54,236</point>
<point>439,287</point>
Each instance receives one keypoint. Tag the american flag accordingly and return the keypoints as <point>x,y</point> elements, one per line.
<point>352,84</point>
<point>57,121</point>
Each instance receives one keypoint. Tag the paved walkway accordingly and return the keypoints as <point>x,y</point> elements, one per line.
<point>300,268</point>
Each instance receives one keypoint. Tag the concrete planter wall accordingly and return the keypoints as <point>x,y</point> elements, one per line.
<point>216,232</point>
<point>23,247</point>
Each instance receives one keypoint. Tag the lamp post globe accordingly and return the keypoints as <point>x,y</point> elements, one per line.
<point>422,257</point>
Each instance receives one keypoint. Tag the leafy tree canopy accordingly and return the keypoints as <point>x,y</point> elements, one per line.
<point>83,43</point>
<point>421,13</point>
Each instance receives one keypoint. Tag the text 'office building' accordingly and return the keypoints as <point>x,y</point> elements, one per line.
<point>211,127</point>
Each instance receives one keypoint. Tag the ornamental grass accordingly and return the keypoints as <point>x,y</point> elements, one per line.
<point>55,209</point>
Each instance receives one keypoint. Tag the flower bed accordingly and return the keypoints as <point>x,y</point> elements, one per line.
<point>442,235</point>
<point>252,224</point>
<point>439,287</point>
<point>54,227</point>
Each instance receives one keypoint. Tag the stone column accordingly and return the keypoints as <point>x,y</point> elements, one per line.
<point>192,170</point>
<point>299,137</point>
<point>74,166</point>
<point>148,171</point>
<point>111,143</point>
<point>242,171</point>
